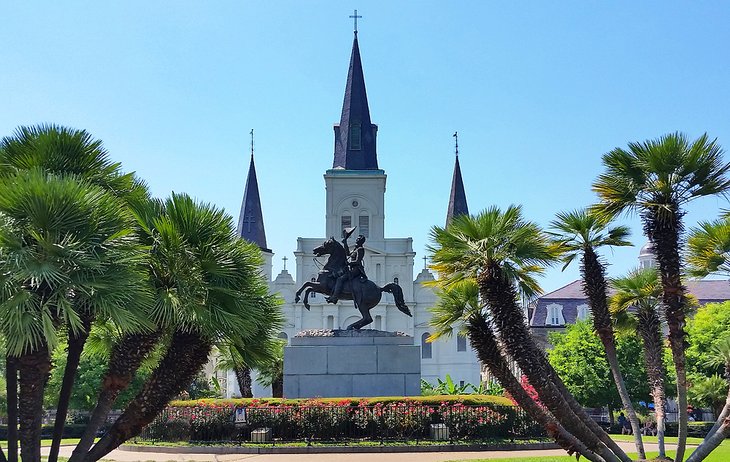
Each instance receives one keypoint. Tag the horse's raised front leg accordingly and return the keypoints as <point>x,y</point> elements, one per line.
<point>306,285</point>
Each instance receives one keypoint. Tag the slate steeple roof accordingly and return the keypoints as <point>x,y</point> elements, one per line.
<point>457,201</point>
<point>251,220</point>
<point>355,136</point>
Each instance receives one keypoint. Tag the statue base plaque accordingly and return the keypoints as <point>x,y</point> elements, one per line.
<point>330,363</point>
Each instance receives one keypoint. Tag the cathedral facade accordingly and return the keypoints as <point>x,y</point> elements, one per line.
<point>355,197</point>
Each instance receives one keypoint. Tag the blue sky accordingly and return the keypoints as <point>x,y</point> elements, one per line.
<point>537,90</point>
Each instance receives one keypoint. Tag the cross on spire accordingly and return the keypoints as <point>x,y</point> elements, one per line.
<point>456,140</point>
<point>355,16</point>
<point>252,143</point>
<point>284,260</point>
<point>425,262</point>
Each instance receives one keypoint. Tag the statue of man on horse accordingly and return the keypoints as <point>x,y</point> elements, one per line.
<point>343,277</point>
<point>354,268</point>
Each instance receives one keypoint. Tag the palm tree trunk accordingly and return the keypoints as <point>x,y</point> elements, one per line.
<point>11,372</point>
<point>663,228</point>
<point>126,358</point>
<point>649,329</point>
<point>595,288</point>
<point>243,377</point>
<point>34,369</point>
<point>489,353</point>
<point>187,354</point>
<point>716,435</point>
<point>277,387</point>
<point>500,296</point>
<point>76,344</point>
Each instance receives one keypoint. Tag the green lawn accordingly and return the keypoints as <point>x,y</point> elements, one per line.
<point>721,454</point>
<point>65,441</point>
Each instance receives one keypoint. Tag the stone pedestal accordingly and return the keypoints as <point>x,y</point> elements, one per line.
<point>351,363</point>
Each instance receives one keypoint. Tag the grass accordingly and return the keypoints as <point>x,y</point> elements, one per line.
<point>721,454</point>
<point>44,443</point>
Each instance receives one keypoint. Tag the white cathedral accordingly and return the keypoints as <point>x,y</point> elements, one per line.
<point>356,197</point>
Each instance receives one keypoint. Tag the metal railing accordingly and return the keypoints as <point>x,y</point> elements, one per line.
<point>378,422</point>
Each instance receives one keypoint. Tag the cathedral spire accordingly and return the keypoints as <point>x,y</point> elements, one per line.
<point>457,201</point>
<point>355,147</point>
<point>251,220</point>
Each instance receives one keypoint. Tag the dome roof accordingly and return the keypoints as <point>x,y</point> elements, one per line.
<point>647,250</point>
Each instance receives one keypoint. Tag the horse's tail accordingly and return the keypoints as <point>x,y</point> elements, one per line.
<point>397,293</point>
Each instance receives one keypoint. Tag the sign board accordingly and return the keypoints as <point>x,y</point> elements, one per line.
<point>240,415</point>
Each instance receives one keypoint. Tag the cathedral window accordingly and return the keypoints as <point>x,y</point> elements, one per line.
<point>364,225</point>
<point>346,222</point>
<point>426,351</point>
<point>355,137</point>
<point>460,343</point>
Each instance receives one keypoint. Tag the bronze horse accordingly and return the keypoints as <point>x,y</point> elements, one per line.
<point>365,293</point>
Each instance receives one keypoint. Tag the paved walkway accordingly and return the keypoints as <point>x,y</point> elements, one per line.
<point>129,456</point>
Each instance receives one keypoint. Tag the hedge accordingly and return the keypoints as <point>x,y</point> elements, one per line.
<point>466,417</point>
<point>468,400</point>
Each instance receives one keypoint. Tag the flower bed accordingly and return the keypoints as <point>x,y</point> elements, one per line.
<point>390,418</point>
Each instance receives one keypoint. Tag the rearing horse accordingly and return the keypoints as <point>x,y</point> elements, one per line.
<point>366,294</point>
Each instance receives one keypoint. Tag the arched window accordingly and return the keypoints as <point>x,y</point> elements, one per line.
<point>378,323</point>
<point>363,223</point>
<point>345,220</point>
<point>283,336</point>
<point>426,351</point>
<point>330,322</point>
<point>460,342</point>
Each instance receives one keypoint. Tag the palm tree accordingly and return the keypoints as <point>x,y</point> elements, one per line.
<point>65,151</point>
<point>64,245</point>
<point>657,178</point>
<point>709,248</point>
<point>721,429</point>
<point>230,358</point>
<point>579,234</point>
<point>231,302</point>
<point>271,371</point>
<point>503,253</point>
<point>641,290</point>
<point>458,304</point>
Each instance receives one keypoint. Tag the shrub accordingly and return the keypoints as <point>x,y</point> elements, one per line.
<point>470,416</point>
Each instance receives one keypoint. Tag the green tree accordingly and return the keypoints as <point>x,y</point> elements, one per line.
<point>720,356</point>
<point>709,248</point>
<point>67,152</point>
<point>709,326</point>
<point>501,252</point>
<point>231,299</point>
<point>580,234</point>
<point>657,178</point>
<point>66,249</point>
<point>88,381</point>
<point>271,370</point>
<point>709,392</point>
<point>638,297</point>
<point>579,358</point>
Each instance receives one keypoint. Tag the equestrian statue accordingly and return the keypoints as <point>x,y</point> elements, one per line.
<point>343,277</point>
